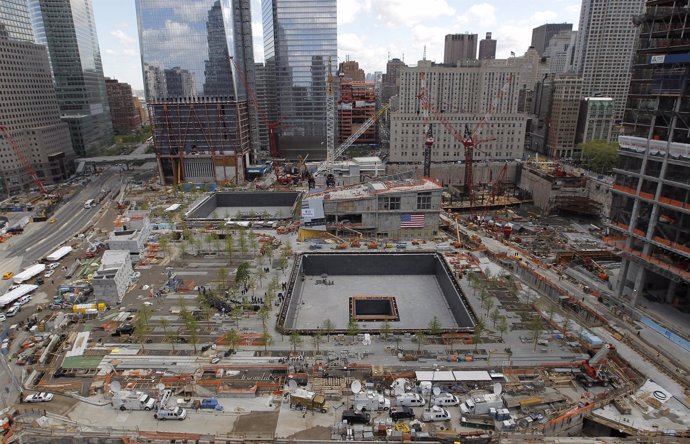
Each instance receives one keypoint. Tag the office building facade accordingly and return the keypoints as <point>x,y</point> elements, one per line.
<point>68,29</point>
<point>463,94</point>
<point>197,100</point>
<point>651,193</point>
<point>389,80</point>
<point>595,121</point>
<point>356,105</point>
<point>300,40</point>
<point>125,116</point>
<point>460,47</point>
<point>562,122</point>
<point>349,71</point>
<point>604,49</point>
<point>541,35</point>
<point>29,109</point>
<point>487,48</point>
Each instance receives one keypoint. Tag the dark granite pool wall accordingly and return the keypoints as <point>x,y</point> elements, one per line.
<point>316,264</point>
<point>248,199</point>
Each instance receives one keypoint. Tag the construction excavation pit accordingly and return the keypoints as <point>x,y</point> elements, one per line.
<point>263,205</point>
<point>401,292</point>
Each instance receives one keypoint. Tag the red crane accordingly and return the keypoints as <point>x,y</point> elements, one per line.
<point>272,126</point>
<point>28,167</point>
<point>469,138</point>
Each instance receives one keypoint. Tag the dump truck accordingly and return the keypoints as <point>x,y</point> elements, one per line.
<point>308,400</point>
<point>128,400</point>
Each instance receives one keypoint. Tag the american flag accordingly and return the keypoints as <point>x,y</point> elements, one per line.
<point>412,221</point>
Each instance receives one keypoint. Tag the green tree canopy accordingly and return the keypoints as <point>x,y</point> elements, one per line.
<point>600,156</point>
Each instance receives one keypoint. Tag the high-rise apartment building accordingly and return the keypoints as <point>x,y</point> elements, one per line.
<point>29,109</point>
<point>389,80</point>
<point>68,29</point>
<point>487,48</point>
<point>460,47</point>
<point>604,48</point>
<point>541,35</point>
<point>562,122</point>
<point>651,197</point>
<point>300,40</point>
<point>197,100</point>
<point>126,118</point>
<point>349,71</point>
<point>463,94</point>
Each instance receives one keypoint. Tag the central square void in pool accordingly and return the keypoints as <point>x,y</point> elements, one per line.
<point>373,308</point>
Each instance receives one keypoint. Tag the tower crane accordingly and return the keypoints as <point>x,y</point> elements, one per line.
<point>28,166</point>
<point>271,126</point>
<point>469,139</point>
<point>330,121</point>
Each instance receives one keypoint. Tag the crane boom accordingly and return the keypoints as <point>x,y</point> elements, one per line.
<point>350,140</point>
<point>28,166</point>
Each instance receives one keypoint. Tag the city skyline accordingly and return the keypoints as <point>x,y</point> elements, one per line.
<point>397,27</point>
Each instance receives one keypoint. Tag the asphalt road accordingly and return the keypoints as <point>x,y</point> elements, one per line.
<point>71,218</point>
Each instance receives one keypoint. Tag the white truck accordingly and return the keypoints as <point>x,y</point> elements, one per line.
<point>481,404</point>
<point>371,401</point>
<point>129,400</point>
<point>166,412</point>
<point>436,413</point>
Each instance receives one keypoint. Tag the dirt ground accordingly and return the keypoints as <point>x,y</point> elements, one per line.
<point>257,422</point>
<point>317,432</point>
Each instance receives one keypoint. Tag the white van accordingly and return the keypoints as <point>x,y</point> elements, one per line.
<point>13,310</point>
<point>436,414</point>
<point>410,400</point>
<point>445,400</point>
<point>177,413</point>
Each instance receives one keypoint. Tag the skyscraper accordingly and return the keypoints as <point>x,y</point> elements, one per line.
<point>460,47</point>
<point>604,48</point>
<point>650,194</point>
<point>350,71</point>
<point>487,48</point>
<point>389,80</point>
<point>541,35</point>
<point>126,117</point>
<point>67,28</point>
<point>300,40</point>
<point>29,109</point>
<point>197,100</point>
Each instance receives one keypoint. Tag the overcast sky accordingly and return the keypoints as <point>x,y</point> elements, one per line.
<point>368,30</point>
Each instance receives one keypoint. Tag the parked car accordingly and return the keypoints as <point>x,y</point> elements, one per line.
<point>355,417</point>
<point>2,317</point>
<point>23,300</point>
<point>12,287</point>
<point>39,397</point>
<point>49,273</point>
<point>53,265</point>
<point>402,412</point>
<point>13,310</point>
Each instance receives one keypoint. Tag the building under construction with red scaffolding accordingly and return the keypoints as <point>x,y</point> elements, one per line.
<point>201,140</point>
<point>357,105</point>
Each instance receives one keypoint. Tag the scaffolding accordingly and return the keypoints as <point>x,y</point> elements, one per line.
<point>357,104</point>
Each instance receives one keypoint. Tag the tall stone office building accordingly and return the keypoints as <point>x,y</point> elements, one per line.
<point>29,112</point>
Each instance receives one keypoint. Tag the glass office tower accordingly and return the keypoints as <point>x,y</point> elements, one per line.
<point>67,28</point>
<point>300,36</point>
<point>197,99</point>
<point>14,21</point>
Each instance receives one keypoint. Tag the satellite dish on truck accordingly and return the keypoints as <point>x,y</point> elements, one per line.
<point>498,388</point>
<point>437,391</point>
<point>115,386</point>
<point>292,385</point>
<point>160,386</point>
<point>356,386</point>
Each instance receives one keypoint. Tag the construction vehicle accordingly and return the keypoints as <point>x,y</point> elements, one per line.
<point>371,401</point>
<point>129,400</point>
<point>592,373</point>
<point>307,400</point>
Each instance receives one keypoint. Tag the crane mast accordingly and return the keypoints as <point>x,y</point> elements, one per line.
<point>330,121</point>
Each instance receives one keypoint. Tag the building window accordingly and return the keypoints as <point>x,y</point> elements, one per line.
<point>389,203</point>
<point>424,201</point>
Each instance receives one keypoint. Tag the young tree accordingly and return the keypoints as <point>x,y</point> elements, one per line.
<point>489,304</point>
<point>286,250</point>
<point>192,327</point>
<point>317,338</point>
<point>566,327</point>
<point>164,243</point>
<point>233,337</point>
<point>283,263</point>
<point>260,274</point>
<point>253,242</point>
<point>386,329</point>
<point>264,313</point>
<point>435,327</point>
<point>478,330</point>
<point>550,311</point>
<point>502,325</point>
<point>141,330</point>
<point>252,285</point>
<point>229,246</point>
<point>242,274</point>
<point>267,339</point>
<point>169,336</point>
<point>483,295</point>
<point>242,242</point>
<point>420,337</point>
<point>536,326</point>
<point>495,316</point>
<point>353,329</point>
<point>223,276</point>
<point>236,313</point>
<point>328,328</point>
<point>295,341</point>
